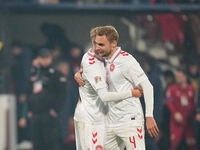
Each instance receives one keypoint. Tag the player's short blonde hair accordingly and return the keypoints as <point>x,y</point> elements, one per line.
<point>109,31</point>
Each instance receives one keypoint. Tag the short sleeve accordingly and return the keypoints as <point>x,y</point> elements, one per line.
<point>132,70</point>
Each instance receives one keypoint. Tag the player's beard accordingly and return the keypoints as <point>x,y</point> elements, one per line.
<point>106,53</point>
<point>97,52</point>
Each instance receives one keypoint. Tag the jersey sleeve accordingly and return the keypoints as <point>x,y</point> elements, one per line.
<point>113,96</point>
<point>132,70</point>
<point>94,74</point>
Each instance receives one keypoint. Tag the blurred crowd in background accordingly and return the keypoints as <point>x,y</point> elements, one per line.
<point>106,1</point>
<point>172,48</point>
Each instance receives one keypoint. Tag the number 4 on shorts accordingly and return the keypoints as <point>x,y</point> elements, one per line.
<point>132,140</point>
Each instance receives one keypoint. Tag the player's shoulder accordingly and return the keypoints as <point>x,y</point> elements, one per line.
<point>126,58</point>
<point>90,61</point>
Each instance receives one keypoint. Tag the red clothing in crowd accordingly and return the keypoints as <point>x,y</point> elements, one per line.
<point>172,28</point>
<point>181,100</point>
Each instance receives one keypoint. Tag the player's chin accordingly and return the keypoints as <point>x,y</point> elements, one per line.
<point>102,54</point>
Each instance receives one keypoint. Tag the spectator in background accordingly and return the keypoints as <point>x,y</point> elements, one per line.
<point>193,75</point>
<point>67,126</point>
<point>55,35</point>
<point>57,54</point>
<point>21,67</point>
<point>22,60</point>
<point>169,79</point>
<point>151,27</point>
<point>75,61</point>
<point>172,26</point>
<point>75,58</point>
<point>46,94</point>
<point>164,140</point>
<point>180,100</point>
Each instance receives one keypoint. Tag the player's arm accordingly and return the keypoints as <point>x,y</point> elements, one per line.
<point>151,125</point>
<point>117,96</point>
<point>135,74</point>
<point>78,78</point>
<point>94,74</point>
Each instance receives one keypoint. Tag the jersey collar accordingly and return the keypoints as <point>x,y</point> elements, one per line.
<point>114,56</point>
<point>91,54</point>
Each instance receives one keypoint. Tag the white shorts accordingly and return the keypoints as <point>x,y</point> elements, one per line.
<point>88,136</point>
<point>130,136</point>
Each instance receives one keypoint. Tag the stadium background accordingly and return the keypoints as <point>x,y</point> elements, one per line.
<point>143,27</point>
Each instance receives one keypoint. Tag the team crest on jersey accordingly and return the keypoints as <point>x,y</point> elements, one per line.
<point>112,67</point>
<point>97,79</point>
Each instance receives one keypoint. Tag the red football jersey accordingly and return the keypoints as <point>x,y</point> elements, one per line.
<point>181,100</point>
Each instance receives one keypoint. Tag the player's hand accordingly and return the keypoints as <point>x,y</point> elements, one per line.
<point>78,78</point>
<point>178,117</point>
<point>152,127</point>
<point>137,92</point>
<point>198,117</point>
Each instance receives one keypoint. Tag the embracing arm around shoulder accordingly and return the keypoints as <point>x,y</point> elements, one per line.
<point>113,96</point>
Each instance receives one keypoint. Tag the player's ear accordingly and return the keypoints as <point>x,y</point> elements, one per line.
<point>114,43</point>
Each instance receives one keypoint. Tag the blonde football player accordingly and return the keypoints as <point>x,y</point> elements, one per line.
<point>90,111</point>
<point>124,119</point>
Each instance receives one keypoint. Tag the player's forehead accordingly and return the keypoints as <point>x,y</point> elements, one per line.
<point>101,39</point>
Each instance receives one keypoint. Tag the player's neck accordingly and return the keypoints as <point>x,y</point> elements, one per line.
<point>112,53</point>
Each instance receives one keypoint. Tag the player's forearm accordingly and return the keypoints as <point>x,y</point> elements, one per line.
<point>148,97</point>
<point>113,96</point>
